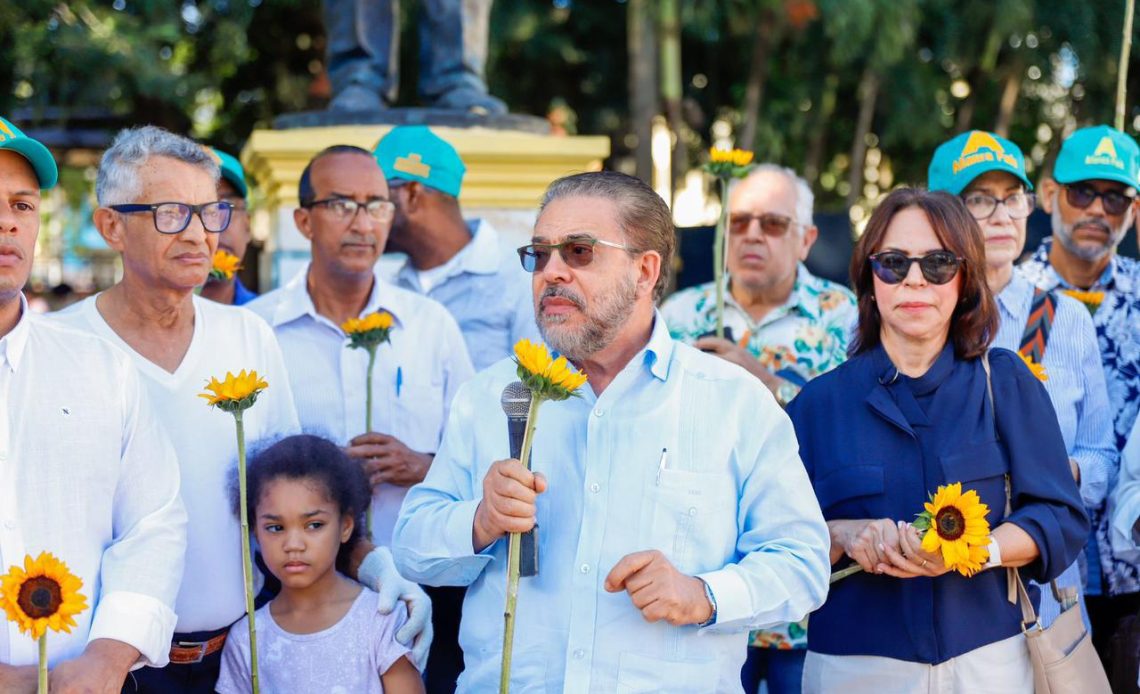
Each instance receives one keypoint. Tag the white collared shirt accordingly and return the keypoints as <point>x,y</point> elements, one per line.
<point>413,382</point>
<point>88,474</point>
<point>226,338</point>
<point>485,289</point>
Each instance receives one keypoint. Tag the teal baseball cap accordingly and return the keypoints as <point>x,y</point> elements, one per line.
<point>1098,152</point>
<point>43,163</point>
<point>231,170</point>
<point>959,161</point>
<point>415,153</point>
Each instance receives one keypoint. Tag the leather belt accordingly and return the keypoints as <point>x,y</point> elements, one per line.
<point>189,652</point>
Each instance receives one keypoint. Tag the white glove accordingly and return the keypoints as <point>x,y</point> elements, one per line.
<point>378,572</point>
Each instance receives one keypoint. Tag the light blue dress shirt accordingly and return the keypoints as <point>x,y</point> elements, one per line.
<point>1076,387</point>
<point>487,292</point>
<point>729,502</point>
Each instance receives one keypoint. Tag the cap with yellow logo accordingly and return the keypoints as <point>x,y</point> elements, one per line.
<point>12,138</point>
<point>415,153</point>
<point>958,162</point>
<point>1098,153</point>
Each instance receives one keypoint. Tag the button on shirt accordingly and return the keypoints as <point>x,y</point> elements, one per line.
<point>1117,323</point>
<point>226,338</point>
<point>805,337</point>
<point>487,292</point>
<point>729,502</point>
<point>413,382</point>
<point>88,474</point>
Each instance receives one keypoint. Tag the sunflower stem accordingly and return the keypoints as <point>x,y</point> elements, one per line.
<point>42,682</point>
<point>514,545</point>
<point>720,256</point>
<point>368,426</point>
<point>844,573</point>
<point>246,564</point>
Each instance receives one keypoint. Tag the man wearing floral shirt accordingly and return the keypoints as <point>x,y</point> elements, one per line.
<point>1092,200</point>
<point>787,327</point>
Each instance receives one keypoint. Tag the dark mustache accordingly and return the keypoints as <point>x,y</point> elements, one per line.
<point>564,293</point>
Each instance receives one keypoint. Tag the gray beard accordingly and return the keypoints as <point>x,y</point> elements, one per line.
<point>1064,234</point>
<point>603,321</point>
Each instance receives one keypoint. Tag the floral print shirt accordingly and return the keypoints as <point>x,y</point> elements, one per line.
<point>1117,322</point>
<point>798,341</point>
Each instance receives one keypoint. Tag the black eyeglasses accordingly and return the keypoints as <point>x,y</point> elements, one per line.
<point>1081,196</point>
<point>938,267</point>
<point>771,224</point>
<point>577,252</point>
<point>174,217</point>
<point>983,205</point>
<point>345,209</point>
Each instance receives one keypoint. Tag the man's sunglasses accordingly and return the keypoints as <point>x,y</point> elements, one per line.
<point>1081,196</point>
<point>938,267</point>
<point>771,224</point>
<point>577,253</point>
<point>174,217</point>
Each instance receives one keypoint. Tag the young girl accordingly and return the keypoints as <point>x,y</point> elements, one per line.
<point>322,633</point>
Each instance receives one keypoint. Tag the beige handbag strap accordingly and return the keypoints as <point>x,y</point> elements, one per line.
<point>1015,588</point>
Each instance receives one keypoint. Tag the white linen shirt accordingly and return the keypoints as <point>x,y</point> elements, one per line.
<point>413,382</point>
<point>88,474</point>
<point>730,503</point>
<point>487,292</point>
<point>226,338</point>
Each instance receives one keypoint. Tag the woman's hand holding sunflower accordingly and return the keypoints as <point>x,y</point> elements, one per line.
<point>909,559</point>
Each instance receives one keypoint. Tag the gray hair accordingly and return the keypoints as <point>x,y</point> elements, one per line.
<point>805,199</point>
<point>643,216</point>
<point>118,180</point>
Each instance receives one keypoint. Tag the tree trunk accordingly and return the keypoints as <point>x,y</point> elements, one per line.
<point>643,102</point>
<point>813,164</point>
<point>868,96</point>
<point>757,77</point>
<point>1010,90</point>
<point>670,37</point>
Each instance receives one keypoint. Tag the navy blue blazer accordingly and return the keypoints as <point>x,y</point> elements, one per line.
<point>876,443</point>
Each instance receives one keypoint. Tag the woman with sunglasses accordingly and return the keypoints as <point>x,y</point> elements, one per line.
<point>907,413</point>
<point>1049,329</point>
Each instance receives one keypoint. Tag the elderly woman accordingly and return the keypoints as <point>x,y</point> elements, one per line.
<point>996,193</point>
<point>908,412</point>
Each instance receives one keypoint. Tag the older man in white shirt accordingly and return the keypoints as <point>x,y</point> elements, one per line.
<point>675,513</point>
<point>159,209</point>
<point>86,471</point>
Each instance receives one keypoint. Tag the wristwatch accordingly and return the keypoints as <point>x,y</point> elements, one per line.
<point>712,601</point>
<point>785,392</point>
<point>995,554</point>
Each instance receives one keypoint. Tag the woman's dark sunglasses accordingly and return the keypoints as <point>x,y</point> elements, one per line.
<point>938,267</point>
<point>1081,196</point>
<point>577,253</point>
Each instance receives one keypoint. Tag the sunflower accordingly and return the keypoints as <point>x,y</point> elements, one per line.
<point>1091,300</point>
<point>1037,369</point>
<point>43,595</point>
<point>235,393</point>
<point>225,265</point>
<point>729,163</point>
<point>955,524</point>
<point>546,377</point>
<point>368,332</point>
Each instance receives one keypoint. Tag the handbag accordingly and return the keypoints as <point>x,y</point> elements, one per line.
<point>1064,660</point>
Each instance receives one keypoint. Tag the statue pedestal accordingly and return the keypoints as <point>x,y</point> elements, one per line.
<point>507,172</point>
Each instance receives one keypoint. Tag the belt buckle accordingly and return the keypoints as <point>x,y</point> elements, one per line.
<point>200,645</point>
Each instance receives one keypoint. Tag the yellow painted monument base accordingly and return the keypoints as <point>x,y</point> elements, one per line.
<point>507,172</point>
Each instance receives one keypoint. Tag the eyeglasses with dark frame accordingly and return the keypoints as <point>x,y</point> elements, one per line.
<point>1082,196</point>
<point>938,267</point>
<point>577,252</point>
<point>1017,205</point>
<point>174,217</point>
<point>345,209</point>
<point>773,225</point>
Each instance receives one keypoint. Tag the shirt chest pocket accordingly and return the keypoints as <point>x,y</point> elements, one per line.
<point>417,416</point>
<point>692,518</point>
<point>853,491</point>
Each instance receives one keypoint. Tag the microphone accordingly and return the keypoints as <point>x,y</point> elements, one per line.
<point>515,401</point>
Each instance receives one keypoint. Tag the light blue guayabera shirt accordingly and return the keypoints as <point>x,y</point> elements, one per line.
<point>1076,387</point>
<point>487,292</point>
<point>729,502</point>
